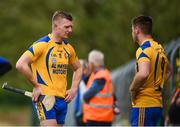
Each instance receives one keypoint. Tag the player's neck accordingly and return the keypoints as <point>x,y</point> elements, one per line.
<point>56,38</point>
<point>142,38</point>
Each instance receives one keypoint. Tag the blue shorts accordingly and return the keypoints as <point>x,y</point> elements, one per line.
<point>146,116</point>
<point>58,112</point>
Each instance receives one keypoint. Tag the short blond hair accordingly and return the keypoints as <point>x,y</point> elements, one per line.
<point>96,57</point>
<point>61,14</point>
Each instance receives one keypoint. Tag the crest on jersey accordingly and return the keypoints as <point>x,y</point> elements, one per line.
<point>53,60</point>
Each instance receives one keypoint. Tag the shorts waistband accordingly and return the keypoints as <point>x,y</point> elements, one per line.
<point>57,97</point>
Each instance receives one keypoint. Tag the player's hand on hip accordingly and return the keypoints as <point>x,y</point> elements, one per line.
<point>70,94</point>
<point>36,93</point>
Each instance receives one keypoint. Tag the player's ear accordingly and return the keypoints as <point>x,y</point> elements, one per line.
<point>54,25</point>
<point>136,30</point>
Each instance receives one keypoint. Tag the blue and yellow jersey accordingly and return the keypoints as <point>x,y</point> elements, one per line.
<point>50,64</point>
<point>149,94</point>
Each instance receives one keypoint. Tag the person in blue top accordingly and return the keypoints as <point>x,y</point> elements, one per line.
<point>78,113</point>
<point>5,66</point>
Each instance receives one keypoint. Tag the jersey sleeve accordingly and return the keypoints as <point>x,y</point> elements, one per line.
<point>73,57</point>
<point>143,55</point>
<point>36,50</point>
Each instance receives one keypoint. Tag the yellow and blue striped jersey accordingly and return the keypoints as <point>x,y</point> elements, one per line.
<point>149,94</point>
<point>50,64</point>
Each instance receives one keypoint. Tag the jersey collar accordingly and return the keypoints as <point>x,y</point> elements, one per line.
<point>148,39</point>
<point>50,36</point>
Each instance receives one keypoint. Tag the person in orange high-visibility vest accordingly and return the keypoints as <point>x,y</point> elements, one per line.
<point>173,116</point>
<point>98,106</point>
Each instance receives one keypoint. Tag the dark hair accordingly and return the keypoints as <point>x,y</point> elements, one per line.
<point>61,14</point>
<point>144,23</point>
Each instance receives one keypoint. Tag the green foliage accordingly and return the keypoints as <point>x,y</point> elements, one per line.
<point>13,99</point>
<point>98,24</point>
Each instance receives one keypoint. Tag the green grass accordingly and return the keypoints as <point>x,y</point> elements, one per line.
<point>15,116</point>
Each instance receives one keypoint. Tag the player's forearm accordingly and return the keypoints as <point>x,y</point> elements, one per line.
<point>26,71</point>
<point>76,78</point>
<point>137,82</point>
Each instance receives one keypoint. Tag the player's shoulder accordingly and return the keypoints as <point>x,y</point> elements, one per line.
<point>158,47</point>
<point>67,44</point>
<point>42,42</point>
<point>146,45</point>
<point>45,39</point>
<point>144,50</point>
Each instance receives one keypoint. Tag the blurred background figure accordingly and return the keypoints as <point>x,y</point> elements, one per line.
<point>173,117</point>
<point>99,99</point>
<point>116,106</point>
<point>5,66</point>
<point>79,96</point>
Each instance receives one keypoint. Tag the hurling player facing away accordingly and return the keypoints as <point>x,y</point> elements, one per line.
<point>152,70</point>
